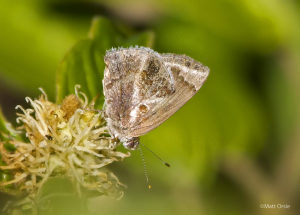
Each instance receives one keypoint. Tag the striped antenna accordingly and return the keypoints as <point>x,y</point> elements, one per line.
<point>145,168</point>
<point>159,158</point>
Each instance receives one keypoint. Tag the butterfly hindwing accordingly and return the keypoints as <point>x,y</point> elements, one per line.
<point>188,76</point>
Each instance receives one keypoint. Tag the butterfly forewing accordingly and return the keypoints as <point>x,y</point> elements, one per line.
<point>135,81</point>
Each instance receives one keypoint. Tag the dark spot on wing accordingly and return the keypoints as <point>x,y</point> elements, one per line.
<point>175,70</point>
<point>197,66</point>
<point>143,108</point>
<point>180,81</point>
<point>153,67</point>
<point>164,91</point>
<point>109,86</point>
<point>145,78</point>
<point>187,63</point>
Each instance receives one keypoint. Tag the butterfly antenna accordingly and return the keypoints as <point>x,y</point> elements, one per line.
<point>145,168</point>
<point>159,158</point>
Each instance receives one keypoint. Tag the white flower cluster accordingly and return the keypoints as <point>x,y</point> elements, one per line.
<point>68,139</point>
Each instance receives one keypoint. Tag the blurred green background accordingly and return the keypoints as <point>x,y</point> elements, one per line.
<point>232,147</point>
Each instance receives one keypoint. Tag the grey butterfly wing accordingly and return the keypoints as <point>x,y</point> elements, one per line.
<point>135,80</point>
<point>188,76</point>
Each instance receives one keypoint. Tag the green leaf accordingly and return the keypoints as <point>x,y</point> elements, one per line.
<point>84,64</point>
<point>7,132</point>
<point>141,39</point>
<point>5,175</point>
<point>6,129</point>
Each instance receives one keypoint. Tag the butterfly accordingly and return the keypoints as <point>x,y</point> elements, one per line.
<point>143,88</point>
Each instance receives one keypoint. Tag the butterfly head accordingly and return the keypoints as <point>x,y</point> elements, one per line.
<point>131,143</point>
